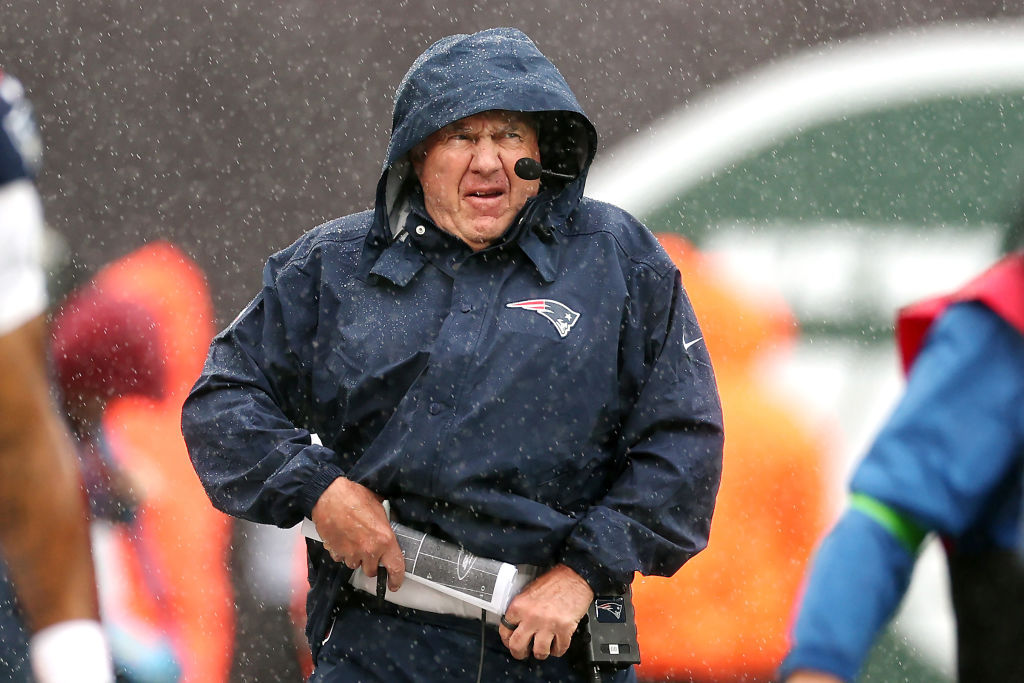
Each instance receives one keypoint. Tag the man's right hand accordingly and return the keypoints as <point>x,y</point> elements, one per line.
<point>812,677</point>
<point>350,519</point>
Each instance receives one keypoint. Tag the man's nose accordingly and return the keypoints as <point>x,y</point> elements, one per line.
<point>486,157</point>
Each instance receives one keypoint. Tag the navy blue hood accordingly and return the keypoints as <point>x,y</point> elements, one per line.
<point>463,75</point>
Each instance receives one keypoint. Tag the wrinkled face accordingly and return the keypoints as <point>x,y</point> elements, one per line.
<point>466,170</point>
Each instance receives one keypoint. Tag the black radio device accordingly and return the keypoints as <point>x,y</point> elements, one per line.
<point>609,631</point>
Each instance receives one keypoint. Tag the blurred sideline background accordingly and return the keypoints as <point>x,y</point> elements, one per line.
<point>825,161</point>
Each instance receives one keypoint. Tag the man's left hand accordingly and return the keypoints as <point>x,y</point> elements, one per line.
<point>546,614</point>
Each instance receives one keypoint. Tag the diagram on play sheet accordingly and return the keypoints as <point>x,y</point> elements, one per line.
<point>444,567</point>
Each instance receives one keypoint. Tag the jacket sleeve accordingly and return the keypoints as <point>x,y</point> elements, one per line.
<point>858,577</point>
<point>657,513</point>
<point>246,419</point>
<point>945,450</point>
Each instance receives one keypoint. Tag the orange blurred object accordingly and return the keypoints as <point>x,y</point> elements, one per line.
<point>724,616</point>
<point>182,541</point>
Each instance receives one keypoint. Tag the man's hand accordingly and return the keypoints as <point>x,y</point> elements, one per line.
<point>812,677</point>
<point>546,613</point>
<point>351,520</point>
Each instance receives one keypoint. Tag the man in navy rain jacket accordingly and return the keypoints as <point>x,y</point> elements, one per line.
<point>515,368</point>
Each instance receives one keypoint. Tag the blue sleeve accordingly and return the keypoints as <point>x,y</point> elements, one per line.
<point>958,429</point>
<point>657,514</point>
<point>246,419</point>
<point>952,438</point>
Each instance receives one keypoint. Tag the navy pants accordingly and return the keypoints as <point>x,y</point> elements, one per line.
<point>396,645</point>
<point>14,664</point>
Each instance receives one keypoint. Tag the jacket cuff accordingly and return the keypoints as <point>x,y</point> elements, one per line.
<point>599,580</point>
<point>311,491</point>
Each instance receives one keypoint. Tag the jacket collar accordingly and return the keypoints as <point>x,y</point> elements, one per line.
<point>398,263</point>
<point>398,260</point>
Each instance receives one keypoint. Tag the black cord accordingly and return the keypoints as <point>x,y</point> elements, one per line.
<point>483,635</point>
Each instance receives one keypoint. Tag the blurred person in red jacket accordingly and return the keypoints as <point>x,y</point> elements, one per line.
<point>178,535</point>
<point>103,348</point>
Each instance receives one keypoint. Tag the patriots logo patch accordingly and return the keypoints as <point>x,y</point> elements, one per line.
<point>560,315</point>
<point>609,610</point>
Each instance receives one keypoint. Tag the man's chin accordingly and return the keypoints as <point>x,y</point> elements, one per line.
<point>487,232</point>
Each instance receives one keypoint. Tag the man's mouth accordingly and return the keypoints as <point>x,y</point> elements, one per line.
<point>486,194</point>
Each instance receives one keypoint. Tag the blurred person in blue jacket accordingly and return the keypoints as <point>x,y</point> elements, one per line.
<point>516,368</point>
<point>948,461</point>
<point>43,519</point>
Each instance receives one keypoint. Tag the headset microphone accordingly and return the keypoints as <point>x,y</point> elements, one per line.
<point>530,169</point>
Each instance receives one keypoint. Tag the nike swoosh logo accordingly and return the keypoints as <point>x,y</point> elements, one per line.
<point>688,344</point>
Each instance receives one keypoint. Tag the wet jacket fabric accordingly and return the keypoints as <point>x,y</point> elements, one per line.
<point>950,459</point>
<point>545,399</point>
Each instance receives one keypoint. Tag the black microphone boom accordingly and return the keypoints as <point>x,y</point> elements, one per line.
<point>530,169</point>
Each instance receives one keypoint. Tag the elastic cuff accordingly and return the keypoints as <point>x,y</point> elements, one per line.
<point>72,651</point>
<point>599,580</point>
<point>315,487</point>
